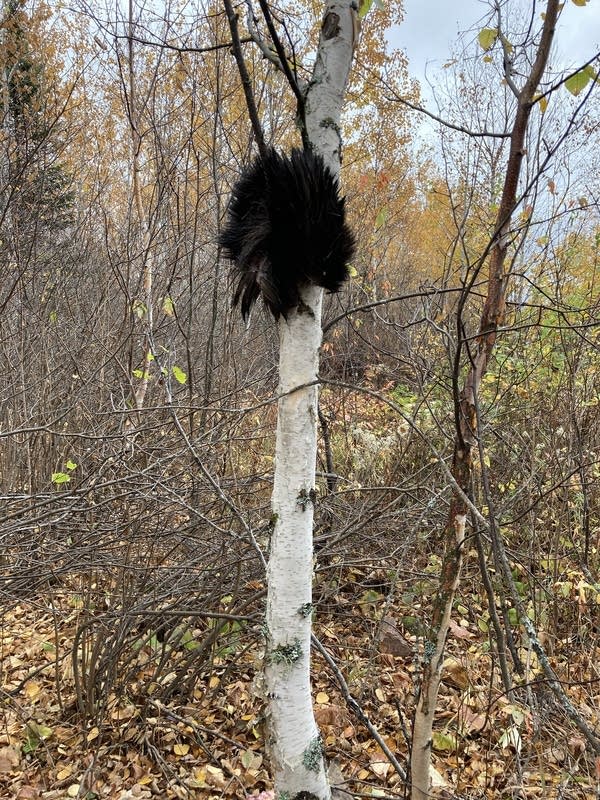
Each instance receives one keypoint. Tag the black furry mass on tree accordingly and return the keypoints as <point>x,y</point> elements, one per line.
<point>285,229</point>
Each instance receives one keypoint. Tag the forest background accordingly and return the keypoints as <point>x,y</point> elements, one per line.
<point>138,413</point>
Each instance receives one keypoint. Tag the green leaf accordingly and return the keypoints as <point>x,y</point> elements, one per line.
<point>53,316</point>
<point>444,741</point>
<point>39,731</point>
<point>71,465</point>
<point>140,373</point>
<point>179,375</point>
<point>366,6</point>
<point>364,9</point>
<point>352,271</point>
<point>577,82</point>
<point>31,745</point>
<point>381,217</point>
<point>60,477</point>
<point>487,38</point>
<point>370,596</point>
<point>139,309</point>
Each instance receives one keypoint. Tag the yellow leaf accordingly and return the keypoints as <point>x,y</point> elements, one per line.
<point>200,775</point>
<point>577,82</point>
<point>64,773</point>
<point>168,306</point>
<point>379,694</point>
<point>93,734</point>
<point>487,37</point>
<point>181,749</point>
<point>32,689</point>
<point>214,682</point>
<point>73,790</point>
<point>322,698</point>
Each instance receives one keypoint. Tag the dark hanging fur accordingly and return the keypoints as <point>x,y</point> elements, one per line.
<point>286,228</point>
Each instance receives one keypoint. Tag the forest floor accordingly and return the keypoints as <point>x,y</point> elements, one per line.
<point>211,745</point>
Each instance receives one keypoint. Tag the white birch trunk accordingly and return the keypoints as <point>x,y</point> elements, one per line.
<point>294,741</point>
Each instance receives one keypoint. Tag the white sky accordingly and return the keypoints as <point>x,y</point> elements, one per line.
<point>431,27</point>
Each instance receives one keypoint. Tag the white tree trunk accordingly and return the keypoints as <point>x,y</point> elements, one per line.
<point>294,741</point>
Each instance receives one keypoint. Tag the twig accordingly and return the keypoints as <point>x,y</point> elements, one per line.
<point>357,708</point>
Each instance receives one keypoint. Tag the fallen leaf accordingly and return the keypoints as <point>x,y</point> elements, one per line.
<point>437,779</point>
<point>124,713</point>
<point>93,734</point>
<point>444,741</point>
<point>577,745</point>
<point>9,759</point>
<point>27,793</point>
<point>380,767</point>
<point>472,722</point>
<point>64,773</point>
<point>32,690</point>
<point>458,631</point>
<point>392,641</point>
<point>454,674</point>
<point>329,715</point>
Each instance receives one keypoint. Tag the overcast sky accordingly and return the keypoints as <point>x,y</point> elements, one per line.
<point>431,27</point>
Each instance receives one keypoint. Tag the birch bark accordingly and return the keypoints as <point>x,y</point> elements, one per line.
<point>294,740</point>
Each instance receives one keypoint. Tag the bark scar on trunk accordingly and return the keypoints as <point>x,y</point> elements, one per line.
<point>331,25</point>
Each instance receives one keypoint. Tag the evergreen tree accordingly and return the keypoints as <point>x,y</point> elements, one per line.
<point>37,189</point>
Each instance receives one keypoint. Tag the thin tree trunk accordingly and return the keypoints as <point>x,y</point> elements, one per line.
<point>466,422</point>
<point>144,307</point>
<point>294,741</point>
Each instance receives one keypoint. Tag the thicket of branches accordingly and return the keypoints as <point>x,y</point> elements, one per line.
<point>143,516</point>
